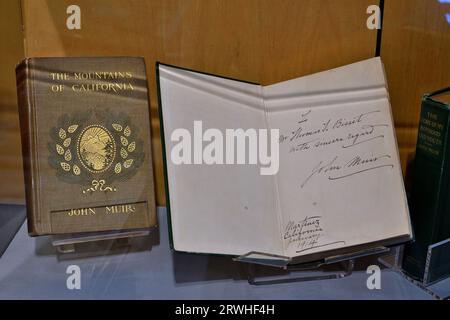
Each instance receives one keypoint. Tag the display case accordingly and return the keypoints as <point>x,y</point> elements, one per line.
<point>11,219</point>
<point>257,42</point>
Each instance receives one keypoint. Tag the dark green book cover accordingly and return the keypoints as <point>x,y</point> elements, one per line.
<point>430,197</point>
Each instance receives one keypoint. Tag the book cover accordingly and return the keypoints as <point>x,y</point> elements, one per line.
<point>86,144</point>
<point>430,196</point>
<point>336,188</point>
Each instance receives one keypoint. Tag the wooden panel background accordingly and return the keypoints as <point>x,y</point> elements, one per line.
<point>416,53</point>
<point>255,40</point>
<point>261,41</point>
<point>11,51</point>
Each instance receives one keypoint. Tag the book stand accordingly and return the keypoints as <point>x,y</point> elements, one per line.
<point>436,278</point>
<point>67,243</point>
<point>344,262</point>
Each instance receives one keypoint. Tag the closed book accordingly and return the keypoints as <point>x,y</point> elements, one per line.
<point>85,129</point>
<point>430,196</point>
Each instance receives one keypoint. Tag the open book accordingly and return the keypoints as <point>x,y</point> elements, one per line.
<point>338,186</point>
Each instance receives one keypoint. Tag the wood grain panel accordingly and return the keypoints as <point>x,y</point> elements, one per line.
<point>255,40</point>
<point>415,50</point>
<point>11,51</point>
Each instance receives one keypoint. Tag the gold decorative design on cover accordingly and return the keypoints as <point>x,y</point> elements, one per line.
<point>95,149</point>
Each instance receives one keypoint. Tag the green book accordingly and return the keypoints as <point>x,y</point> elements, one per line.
<point>430,197</point>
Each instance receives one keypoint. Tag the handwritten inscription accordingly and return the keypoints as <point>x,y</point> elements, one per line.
<point>339,133</point>
<point>330,132</point>
<point>306,234</point>
<point>357,165</point>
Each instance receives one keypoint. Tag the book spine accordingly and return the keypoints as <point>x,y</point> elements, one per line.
<point>428,185</point>
<point>426,273</point>
<point>439,133</point>
<point>26,116</point>
<point>442,223</point>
